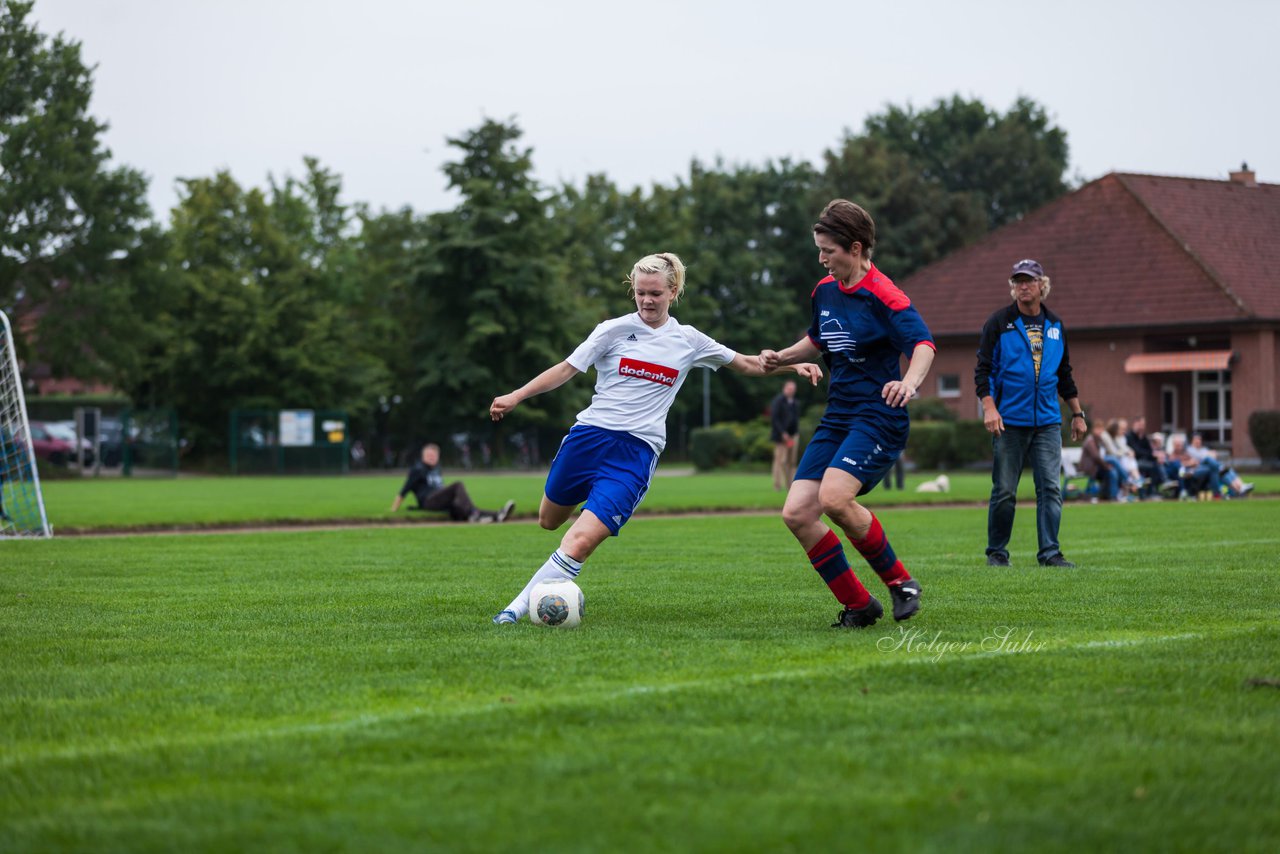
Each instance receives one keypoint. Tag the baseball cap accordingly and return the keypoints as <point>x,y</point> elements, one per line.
<point>1027,267</point>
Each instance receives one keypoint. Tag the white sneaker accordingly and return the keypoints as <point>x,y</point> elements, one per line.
<point>504,512</point>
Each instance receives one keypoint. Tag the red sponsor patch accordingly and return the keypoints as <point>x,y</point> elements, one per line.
<point>648,371</point>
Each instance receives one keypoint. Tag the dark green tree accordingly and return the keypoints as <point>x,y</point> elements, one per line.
<point>74,231</point>
<point>1011,163</point>
<point>917,219</point>
<point>594,226</point>
<point>938,179</point>
<point>388,250</point>
<point>251,317</point>
<point>492,306</point>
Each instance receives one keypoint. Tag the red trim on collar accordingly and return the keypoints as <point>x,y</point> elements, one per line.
<point>882,287</point>
<point>827,280</point>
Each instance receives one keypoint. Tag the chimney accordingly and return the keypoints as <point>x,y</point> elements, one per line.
<point>1245,176</point>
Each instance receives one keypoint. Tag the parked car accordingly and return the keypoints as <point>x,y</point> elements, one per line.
<point>66,431</point>
<point>49,448</point>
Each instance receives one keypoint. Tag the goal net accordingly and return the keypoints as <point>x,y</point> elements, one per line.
<point>21,503</point>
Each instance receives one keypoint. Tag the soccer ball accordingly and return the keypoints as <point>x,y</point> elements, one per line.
<point>556,603</point>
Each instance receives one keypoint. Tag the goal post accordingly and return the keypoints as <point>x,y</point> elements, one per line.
<point>22,511</point>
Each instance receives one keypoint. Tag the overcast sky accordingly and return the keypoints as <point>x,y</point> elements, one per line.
<point>637,90</point>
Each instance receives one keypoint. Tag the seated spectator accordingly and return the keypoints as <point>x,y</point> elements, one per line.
<point>1094,463</point>
<point>1157,447</point>
<point>1197,477</point>
<point>426,482</point>
<point>1144,453</point>
<point>1168,482</point>
<point>1121,457</point>
<point>1197,448</point>
<point>1229,481</point>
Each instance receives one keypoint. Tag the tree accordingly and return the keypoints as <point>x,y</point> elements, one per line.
<point>917,219</point>
<point>491,303</point>
<point>251,317</point>
<point>73,231</point>
<point>1011,163</point>
<point>387,251</point>
<point>938,179</point>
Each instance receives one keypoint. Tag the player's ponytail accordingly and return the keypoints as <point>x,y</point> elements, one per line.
<point>666,264</point>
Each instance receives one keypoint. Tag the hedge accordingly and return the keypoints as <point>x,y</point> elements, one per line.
<point>932,445</point>
<point>1264,432</point>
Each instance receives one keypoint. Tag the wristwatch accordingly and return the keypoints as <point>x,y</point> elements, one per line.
<point>1081,416</point>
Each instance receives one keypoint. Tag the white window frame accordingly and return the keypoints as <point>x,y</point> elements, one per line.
<point>949,393</point>
<point>1213,431</point>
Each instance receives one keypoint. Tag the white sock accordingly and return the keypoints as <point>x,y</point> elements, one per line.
<point>559,565</point>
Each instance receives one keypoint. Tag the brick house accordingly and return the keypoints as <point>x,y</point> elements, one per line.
<point>1169,288</point>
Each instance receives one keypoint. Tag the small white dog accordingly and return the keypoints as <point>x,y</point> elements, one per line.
<point>941,483</point>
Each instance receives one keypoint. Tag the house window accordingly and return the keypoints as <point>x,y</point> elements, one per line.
<point>948,385</point>
<point>1168,409</point>
<point>1211,414</point>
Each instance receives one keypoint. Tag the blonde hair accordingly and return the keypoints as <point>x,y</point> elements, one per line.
<point>1044,288</point>
<point>666,264</point>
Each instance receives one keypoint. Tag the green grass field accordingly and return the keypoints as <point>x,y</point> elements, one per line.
<point>80,505</point>
<point>345,690</point>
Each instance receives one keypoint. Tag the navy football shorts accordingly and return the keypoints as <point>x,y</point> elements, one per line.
<point>866,449</point>
<point>610,470</point>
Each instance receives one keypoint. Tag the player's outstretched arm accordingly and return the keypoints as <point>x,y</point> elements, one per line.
<point>752,366</point>
<point>551,378</point>
<point>803,350</point>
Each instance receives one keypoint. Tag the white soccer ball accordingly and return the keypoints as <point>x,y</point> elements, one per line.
<point>556,603</point>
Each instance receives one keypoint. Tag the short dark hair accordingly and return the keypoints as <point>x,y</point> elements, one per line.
<point>846,224</point>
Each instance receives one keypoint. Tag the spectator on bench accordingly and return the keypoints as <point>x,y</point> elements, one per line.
<point>1121,455</point>
<point>1236,487</point>
<point>1144,453</point>
<point>1094,463</point>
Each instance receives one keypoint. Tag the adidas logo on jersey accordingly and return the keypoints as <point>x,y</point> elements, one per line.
<point>632,337</point>
<point>617,520</point>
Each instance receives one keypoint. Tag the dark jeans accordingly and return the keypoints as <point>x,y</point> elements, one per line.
<point>1010,450</point>
<point>453,498</point>
<point>1150,469</point>
<point>1108,480</point>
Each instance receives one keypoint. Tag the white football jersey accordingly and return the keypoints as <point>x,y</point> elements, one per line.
<point>638,372</point>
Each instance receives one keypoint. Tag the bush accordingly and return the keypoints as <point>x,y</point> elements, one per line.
<point>714,447</point>
<point>931,409</point>
<point>972,443</point>
<point>756,446</point>
<point>931,444</point>
<point>1264,432</point>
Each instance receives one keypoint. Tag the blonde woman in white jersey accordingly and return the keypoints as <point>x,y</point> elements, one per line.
<point>607,460</point>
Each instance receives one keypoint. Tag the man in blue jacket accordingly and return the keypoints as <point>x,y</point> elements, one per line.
<point>1023,367</point>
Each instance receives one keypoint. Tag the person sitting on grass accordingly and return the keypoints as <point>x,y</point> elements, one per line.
<point>426,482</point>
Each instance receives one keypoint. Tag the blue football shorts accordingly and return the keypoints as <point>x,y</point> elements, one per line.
<point>866,449</point>
<point>610,470</point>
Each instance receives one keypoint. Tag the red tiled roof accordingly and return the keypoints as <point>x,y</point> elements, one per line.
<point>1124,250</point>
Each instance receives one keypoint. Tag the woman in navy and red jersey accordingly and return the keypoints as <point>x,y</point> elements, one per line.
<point>861,324</point>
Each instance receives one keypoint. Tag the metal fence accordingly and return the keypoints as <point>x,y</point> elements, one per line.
<point>308,441</point>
